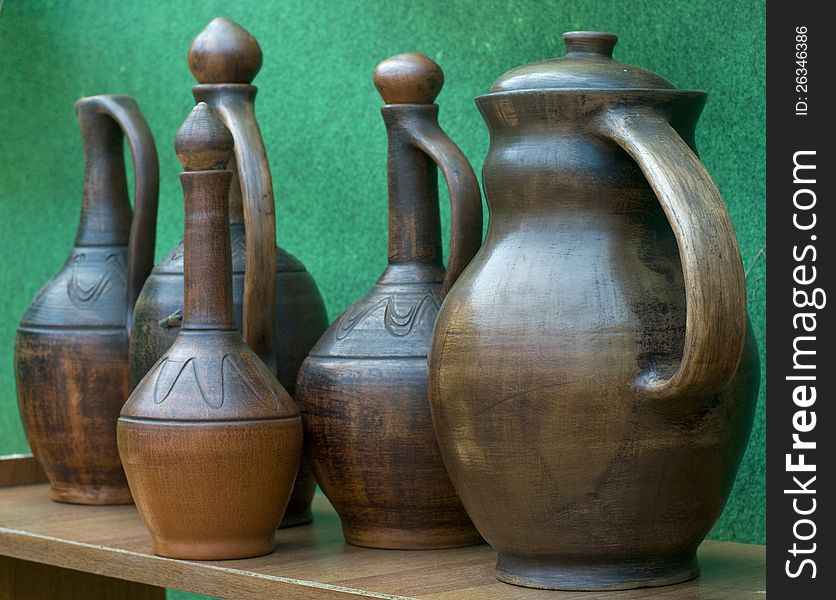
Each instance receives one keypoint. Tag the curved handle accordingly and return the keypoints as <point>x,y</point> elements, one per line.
<point>225,58</point>
<point>715,288</point>
<point>234,105</point>
<point>126,114</point>
<point>465,196</point>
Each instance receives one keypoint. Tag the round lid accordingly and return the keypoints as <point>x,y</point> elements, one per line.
<point>588,65</point>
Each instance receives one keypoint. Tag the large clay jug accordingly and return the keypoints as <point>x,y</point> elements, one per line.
<point>210,440</point>
<point>71,350</point>
<point>591,374</point>
<point>289,314</point>
<point>363,389</point>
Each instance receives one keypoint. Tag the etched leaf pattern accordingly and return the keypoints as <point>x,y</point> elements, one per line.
<point>239,249</point>
<point>199,372</point>
<point>176,256</point>
<point>398,324</point>
<point>85,293</point>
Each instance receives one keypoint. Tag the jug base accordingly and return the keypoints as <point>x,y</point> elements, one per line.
<point>623,575</point>
<point>224,549</point>
<point>392,538</point>
<point>100,495</point>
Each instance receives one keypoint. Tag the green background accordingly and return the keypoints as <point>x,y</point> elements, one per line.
<point>318,111</point>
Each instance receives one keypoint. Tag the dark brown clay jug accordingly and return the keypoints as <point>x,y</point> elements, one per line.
<point>210,440</point>
<point>591,374</point>
<point>71,350</point>
<point>225,58</point>
<point>363,390</point>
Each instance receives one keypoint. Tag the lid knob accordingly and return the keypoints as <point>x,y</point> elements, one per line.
<point>224,52</point>
<point>590,42</point>
<point>203,143</point>
<point>409,78</point>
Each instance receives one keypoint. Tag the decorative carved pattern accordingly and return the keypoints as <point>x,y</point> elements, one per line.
<point>168,372</point>
<point>239,249</point>
<point>171,370</point>
<point>397,324</point>
<point>176,256</point>
<point>83,294</point>
<point>285,262</point>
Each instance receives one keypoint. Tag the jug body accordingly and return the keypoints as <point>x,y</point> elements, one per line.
<point>577,471</point>
<point>363,389</point>
<point>363,393</point>
<point>71,365</point>
<point>300,311</point>
<point>71,349</point>
<point>301,319</point>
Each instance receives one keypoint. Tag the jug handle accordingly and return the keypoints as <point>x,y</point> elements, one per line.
<point>124,111</point>
<point>465,197</point>
<point>715,287</point>
<point>235,110</point>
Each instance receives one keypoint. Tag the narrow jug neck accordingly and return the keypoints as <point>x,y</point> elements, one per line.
<point>414,221</point>
<point>207,252</point>
<point>105,210</point>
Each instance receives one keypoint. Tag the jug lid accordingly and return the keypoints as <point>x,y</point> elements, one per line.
<point>587,65</point>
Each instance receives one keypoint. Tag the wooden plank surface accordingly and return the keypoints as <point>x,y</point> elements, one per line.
<point>313,561</point>
<point>34,581</point>
<point>20,469</point>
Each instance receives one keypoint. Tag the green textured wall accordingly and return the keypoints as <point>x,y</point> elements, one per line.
<point>319,115</point>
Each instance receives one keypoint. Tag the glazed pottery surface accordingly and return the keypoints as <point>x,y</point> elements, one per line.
<point>591,376</point>
<point>363,389</point>
<point>71,350</point>
<point>225,58</point>
<point>210,440</point>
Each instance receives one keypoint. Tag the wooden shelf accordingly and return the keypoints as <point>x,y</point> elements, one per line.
<point>310,562</point>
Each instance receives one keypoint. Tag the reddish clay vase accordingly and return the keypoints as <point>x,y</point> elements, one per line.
<point>291,317</point>
<point>210,440</point>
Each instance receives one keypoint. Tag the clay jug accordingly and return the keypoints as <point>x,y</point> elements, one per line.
<point>71,350</point>
<point>225,58</point>
<point>210,440</point>
<point>591,374</point>
<point>363,390</point>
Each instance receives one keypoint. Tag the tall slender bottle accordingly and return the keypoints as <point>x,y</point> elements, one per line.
<point>210,440</point>
<point>291,315</point>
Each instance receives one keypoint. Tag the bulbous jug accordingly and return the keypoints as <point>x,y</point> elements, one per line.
<point>363,389</point>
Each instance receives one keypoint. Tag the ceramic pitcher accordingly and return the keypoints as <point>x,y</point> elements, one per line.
<point>592,376</point>
<point>71,350</point>
<point>363,389</point>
